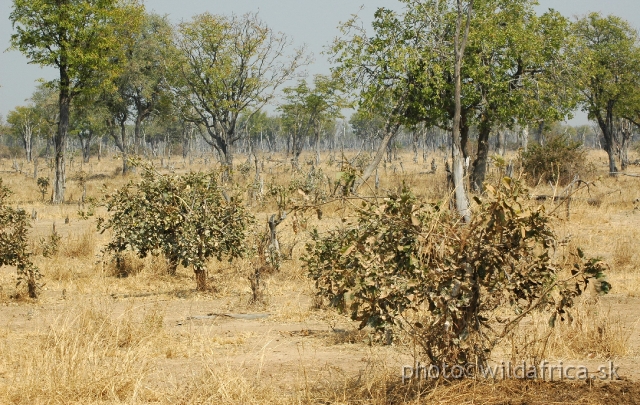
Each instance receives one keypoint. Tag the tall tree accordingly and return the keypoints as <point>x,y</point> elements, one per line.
<point>228,66</point>
<point>516,64</point>
<point>79,38</point>
<point>607,73</point>
<point>143,82</point>
<point>140,89</point>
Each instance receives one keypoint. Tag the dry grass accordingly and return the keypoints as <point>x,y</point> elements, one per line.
<point>591,332</point>
<point>109,339</point>
<point>84,355</point>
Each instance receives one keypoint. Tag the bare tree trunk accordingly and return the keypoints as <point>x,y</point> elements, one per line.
<point>461,199</point>
<point>125,156</point>
<point>416,138</point>
<point>540,134</point>
<point>391,130</point>
<point>60,139</point>
<point>626,130</point>
<point>479,168</point>
<point>608,136</point>
<point>318,148</point>
<point>502,142</point>
<point>201,279</point>
<point>525,137</point>
<point>27,140</point>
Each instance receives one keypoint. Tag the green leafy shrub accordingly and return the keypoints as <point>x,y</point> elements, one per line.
<point>560,159</point>
<point>43,185</point>
<point>14,226</point>
<point>457,289</point>
<point>186,217</point>
<point>51,245</point>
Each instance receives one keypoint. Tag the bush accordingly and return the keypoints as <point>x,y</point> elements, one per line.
<point>560,159</point>
<point>14,226</point>
<point>457,289</point>
<point>187,218</point>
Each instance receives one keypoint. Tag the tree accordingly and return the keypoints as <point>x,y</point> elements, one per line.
<point>294,117</point>
<point>140,89</point>
<point>381,69</point>
<point>143,82</point>
<point>227,66</point>
<point>517,63</point>
<point>187,218</point>
<point>607,73</point>
<point>459,45</point>
<point>510,73</point>
<point>88,122</point>
<point>24,122</point>
<point>79,38</point>
<point>45,100</point>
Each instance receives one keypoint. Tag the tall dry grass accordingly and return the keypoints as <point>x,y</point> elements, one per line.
<point>92,351</point>
<point>85,355</point>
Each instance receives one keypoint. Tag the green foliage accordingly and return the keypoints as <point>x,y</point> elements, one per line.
<point>457,289</point>
<point>80,37</point>
<point>43,185</point>
<point>309,111</point>
<point>226,66</point>
<point>186,217</point>
<point>606,69</point>
<point>558,160</point>
<point>14,227</point>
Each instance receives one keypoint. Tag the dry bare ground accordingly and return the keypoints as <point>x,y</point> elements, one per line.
<point>93,337</point>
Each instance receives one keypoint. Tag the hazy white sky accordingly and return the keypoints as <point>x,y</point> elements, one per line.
<point>309,22</point>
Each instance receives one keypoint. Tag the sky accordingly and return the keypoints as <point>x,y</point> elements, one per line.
<point>311,23</point>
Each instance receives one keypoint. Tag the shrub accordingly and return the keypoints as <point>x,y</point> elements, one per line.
<point>457,289</point>
<point>43,185</point>
<point>185,217</point>
<point>14,226</point>
<point>560,159</point>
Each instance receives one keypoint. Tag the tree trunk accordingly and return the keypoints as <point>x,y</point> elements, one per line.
<point>502,142</point>
<point>460,193</point>
<point>606,125</point>
<point>626,130</point>
<point>27,140</point>
<point>540,134</point>
<point>136,132</point>
<point>201,279</point>
<point>60,139</point>
<point>479,167</point>
<point>464,135</point>
<point>85,145</point>
<point>123,149</point>
<point>525,137</point>
<point>391,130</point>
<point>317,139</point>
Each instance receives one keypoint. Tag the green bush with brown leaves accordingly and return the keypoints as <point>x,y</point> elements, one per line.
<point>457,289</point>
<point>14,228</point>
<point>185,217</point>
